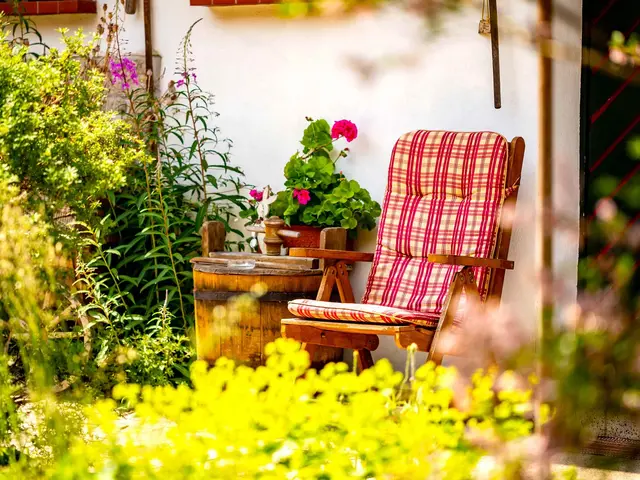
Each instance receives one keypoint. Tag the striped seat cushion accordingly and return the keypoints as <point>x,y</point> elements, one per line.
<point>358,312</point>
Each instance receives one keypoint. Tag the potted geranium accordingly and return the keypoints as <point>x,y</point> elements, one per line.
<point>316,193</point>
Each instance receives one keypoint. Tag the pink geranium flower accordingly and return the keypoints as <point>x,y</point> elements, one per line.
<point>303,196</point>
<point>344,128</point>
<point>256,195</point>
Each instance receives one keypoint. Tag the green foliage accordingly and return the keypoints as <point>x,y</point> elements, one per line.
<point>31,315</point>
<point>54,136</point>
<point>334,201</point>
<point>158,353</point>
<point>284,421</point>
<point>144,245</point>
<point>154,175</point>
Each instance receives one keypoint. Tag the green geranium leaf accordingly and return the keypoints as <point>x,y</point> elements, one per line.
<point>349,223</point>
<point>294,165</point>
<point>317,135</point>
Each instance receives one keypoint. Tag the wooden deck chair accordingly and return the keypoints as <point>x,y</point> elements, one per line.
<point>442,238</point>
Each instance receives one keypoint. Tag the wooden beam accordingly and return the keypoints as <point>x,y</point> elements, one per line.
<point>331,254</point>
<point>267,261</point>
<point>545,199</point>
<point>352,327</point>
<point>471,261</point>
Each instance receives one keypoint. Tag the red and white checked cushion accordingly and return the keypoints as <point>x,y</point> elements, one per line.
<point>358,312</point>
<point>444,195</point>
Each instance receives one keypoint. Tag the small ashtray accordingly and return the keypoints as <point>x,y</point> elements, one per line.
<point>241,264</point>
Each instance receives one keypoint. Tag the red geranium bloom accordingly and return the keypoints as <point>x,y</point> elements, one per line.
<point>256,195</point>
<point>344,128</point>
<point>303,196</point>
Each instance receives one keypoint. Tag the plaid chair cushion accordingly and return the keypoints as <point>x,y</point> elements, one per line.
<point>354,312</point>
<point>444,195</point>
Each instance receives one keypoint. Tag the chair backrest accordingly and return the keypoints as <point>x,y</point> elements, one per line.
<point>445,195</point>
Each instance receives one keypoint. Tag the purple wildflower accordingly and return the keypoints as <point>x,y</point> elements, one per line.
<point>180,83</point>
<point>124,72</point>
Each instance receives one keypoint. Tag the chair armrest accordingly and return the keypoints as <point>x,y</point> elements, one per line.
<point>470,261</point>
<point>331,254</point>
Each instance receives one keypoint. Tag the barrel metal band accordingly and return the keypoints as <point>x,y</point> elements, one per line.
<point>267,297</point>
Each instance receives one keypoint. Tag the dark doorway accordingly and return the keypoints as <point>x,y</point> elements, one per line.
<point>610,119</point>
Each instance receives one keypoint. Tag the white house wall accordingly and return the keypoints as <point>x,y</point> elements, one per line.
<point>268,73</point>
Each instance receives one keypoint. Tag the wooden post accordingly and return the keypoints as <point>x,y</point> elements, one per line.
<point>545,191</point>
<point>148,45</point>
<point>213,236</point>
<point>332,238</point>
<point>495,53</point>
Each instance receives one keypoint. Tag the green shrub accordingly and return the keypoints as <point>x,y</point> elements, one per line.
<point>54,136</point>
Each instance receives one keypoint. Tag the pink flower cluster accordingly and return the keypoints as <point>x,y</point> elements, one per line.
<point>302,195</point>
<point>185,76</point>
<point>344,128</point>
<point>124,72</point>
<point>256,195</point>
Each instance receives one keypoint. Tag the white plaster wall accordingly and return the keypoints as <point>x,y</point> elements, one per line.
<point>269,73</point>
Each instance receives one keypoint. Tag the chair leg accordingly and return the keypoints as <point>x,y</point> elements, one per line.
<point>462,281</point>
<point>365,359</point>
<point>310,348</point>
<point>343,283</point>
<point>327,284</point>
<point>446,320</point>
<point>435,358</point>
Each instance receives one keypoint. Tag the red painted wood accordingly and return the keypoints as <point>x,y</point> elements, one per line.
<point>229,3</point>
<point>52,7</point>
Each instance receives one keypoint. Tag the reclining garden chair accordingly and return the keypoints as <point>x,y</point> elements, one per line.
<point>442,244</point>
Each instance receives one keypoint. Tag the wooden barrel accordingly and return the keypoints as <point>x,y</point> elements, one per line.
<point>239,311</point>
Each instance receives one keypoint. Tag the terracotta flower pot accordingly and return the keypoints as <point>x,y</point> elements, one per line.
<point>309,237</point>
